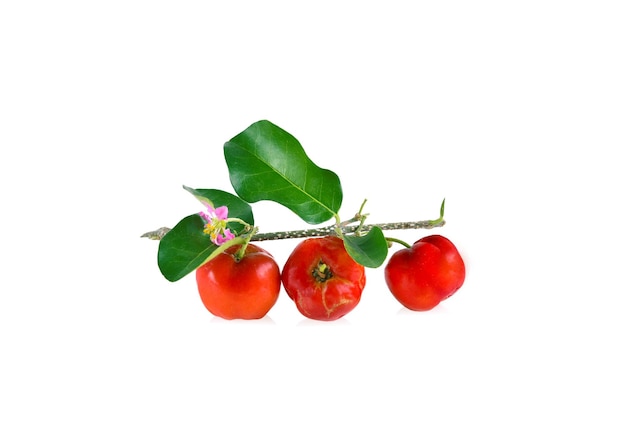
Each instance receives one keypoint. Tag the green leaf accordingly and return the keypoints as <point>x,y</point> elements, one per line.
<point>236,207</point>
<point>369,250</point>
<point>184,248</point>
<point>267,163</point>
<point>206,201</point>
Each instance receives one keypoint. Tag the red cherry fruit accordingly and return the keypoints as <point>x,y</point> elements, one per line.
<point>422,276</point>
<point>322,279</point>
<point>233,288</point>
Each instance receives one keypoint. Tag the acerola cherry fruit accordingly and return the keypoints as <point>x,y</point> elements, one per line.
<point>422,276</point>
<point>245,288</point>
<point>322,279</point>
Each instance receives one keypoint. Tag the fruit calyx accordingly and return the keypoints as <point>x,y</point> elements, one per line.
<point>322,272</point>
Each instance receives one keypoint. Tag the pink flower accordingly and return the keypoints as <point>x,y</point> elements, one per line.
<point>215,226</point>
<point>219,239</point>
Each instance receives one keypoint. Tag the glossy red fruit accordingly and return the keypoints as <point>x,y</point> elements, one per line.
<point>322,279</point>
<point>245,288</point>
<point>422,276</point>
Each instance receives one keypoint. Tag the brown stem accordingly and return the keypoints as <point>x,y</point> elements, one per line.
<point>323,231</point>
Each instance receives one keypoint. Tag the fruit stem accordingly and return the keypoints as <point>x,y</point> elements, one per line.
<point>398,241</point>
<point>242,250</point>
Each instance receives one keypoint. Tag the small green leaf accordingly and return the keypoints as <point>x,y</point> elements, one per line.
<point>236,207</point>
<point>198,195</point>
<point>369,250</point>
<point>267,163</point>
<point>184,248</point>
<point>441,211</point>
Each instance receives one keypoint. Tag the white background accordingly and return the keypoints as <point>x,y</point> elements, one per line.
<point>512,111</point>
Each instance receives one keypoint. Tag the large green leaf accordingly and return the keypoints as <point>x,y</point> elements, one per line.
<point>236,207</point>
<point>369,250</point>
<point>184,248</point>
<point>267,163</point>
